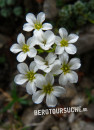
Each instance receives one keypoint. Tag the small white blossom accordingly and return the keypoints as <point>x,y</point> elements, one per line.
<point>64,42</point>
<point>48,90</point>
<point>24,49</point>
<point>27,75</point>
<point>66,69</point>
<point>47,63</point>
<point>36,22</point>
<point>45,39</point>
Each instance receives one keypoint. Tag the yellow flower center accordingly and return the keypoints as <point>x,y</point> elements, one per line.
<point>30,75</point>
<point>46,63</point>
<point>38,26</point>
<point>65,68</point>
<point>64,43</point>
<point>47,89</point>
<point>25,48</point>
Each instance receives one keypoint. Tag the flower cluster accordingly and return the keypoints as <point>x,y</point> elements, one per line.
<point>39,76</point>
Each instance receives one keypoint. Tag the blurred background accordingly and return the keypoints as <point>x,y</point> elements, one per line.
<point>16,106</point>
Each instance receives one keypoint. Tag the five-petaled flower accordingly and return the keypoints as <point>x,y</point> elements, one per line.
<point>36,23</point>
<point>55,63</point>
<point>64,42</point>
<point>47,63</point>
<point>45,39</point>
<point>66,69</point>
<point>48,90</point>
<point>28,75</point>
<point>24,49</point>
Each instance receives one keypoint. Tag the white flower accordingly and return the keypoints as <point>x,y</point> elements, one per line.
<point>45,39</point>
<point>36,23</point>
<point>47,63</point>
<point>24,49</point>
<point>48,90</point>
<point>64,42</point>
<point>66,68</point>
<point>27,75</point>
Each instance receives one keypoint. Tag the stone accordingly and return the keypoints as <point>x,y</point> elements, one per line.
<point>90,112</point>
<point>85,42</point>
<point>49,8</point>
<point>28,115</point>
<point>78,100</point>
<point>54,128</point>
<point>82,125</point>
<point>71,117</point>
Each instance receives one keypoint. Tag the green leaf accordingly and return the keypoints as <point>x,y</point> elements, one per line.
<point>23,101</point>
<point>40,51</point>
<point>18,11</point>
<point>6,12</point>
<point>2,59</point>
<point>10,2</point>
<point>2,3</point>
<point>7,107</point>
<point>14,93</point>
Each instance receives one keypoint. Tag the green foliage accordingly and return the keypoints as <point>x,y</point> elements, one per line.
<point>15,99</point>
<point>76,15</point>
<point>2,59</point>
<point>17,11</point>
<point>47,51</point>
<point>79,8</point>
<point>2,3</point>
<point>91,5</point>
<point>6,12</point>
<point>10,2</point>
<point>89,95</point>
<point>9,7</point>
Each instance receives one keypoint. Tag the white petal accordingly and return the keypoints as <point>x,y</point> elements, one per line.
<point>56,70</point>
<point>51,58</point>
<point>38,97</point>
<point>30,87</point>
<point>50,37</point>
<point>30,18</point>
<point>45,47</point>
<point>63,79</point>
<point>40,81</point>
<point>47,26</point>
<point>51,100</point>
<point>49,78</point>
<point>72,38</point>
<point>71,49</point>
<point>63,32</point>
<point>42,67</point>
<point>21,39</point>
<point>41,17</point>
<point>64,58</point>
<point>39,60</point>
<point>38,34</point>
<point>47,70</point>
<point>72,77</point>
<point>28,27</point>
<point>33,67</point>
<point>15,48</point>
<point>21,56</point>
<point>20,79</point>
<point>58,91</point>
<point>59,50</point>
<point>75,63</point>
<point>56,62</point>
<point>32,52</point>
<point>57,40</point>
<point>31,42</point>
<point>22,68</point>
